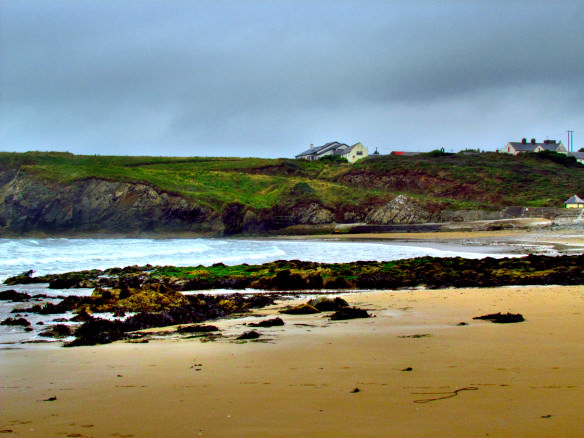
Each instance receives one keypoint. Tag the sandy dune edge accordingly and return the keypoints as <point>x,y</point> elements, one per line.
<point>528,376</point>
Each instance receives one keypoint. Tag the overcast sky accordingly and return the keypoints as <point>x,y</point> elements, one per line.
<point>267,78</point>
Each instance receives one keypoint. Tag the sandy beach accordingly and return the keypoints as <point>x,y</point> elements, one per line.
<point>568,240</point>
<point>417,371</point>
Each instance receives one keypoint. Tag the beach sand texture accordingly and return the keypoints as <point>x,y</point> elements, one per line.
<point>475,380</point>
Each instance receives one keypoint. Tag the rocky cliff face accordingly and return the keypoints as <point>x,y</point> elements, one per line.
<point>29,204</point>
<point>401,210</point>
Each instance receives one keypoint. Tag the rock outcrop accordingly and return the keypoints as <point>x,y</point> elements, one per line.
<point>29,204</point>
<point>401,210</point>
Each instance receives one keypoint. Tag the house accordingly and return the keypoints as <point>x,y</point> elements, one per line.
<point>579,156</point>
<point>574,202</point>
<point>351,153</point>
<point>515,148</point>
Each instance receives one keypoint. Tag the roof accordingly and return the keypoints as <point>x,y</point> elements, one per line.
<point>319,150</point>
<point>524,147</point>
<point>405,154</point>
<point>347,150</point>
<point>576,155</point>
<point>574,200</point>
<point>548,145</point>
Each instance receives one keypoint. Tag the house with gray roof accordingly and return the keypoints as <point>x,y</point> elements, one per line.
<point>515,148</point>
<point>351,153</point>
<point>574,202</point>
<point>579,156</point>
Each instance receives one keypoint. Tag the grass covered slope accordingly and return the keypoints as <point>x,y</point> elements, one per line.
<point>480,180</point>
<point>231,193</point>
<point>485,180</point>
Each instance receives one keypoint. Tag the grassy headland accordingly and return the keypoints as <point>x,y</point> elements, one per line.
<point>486,180</point>
<point>232,195</point>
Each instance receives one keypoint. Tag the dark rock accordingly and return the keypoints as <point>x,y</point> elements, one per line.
<point>24,278</point>
<point>462,323</point>
<point>302,309</point>
<point>199,328</point>
<point>249,335</point>
<point>350,313</point>
<point>57,331</point>
<point>356,390</point>
<point>15,322</point>
<point>502,318</point>
<point>408,369</point>
<point>325,304</point>
<point>12,295</point>
<point>268,323</point>
<point>82,316</point>
<point>98,331</point>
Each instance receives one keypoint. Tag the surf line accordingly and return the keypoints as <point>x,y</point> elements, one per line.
<point>445,395</point>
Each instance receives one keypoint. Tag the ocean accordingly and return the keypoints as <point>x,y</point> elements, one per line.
<point>50,256</point>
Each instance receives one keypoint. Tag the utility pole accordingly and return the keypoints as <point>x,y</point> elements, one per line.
<point>570,140</point>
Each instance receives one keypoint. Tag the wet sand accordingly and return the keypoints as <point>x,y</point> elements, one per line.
<point>300,382</point>
<point>569,240</point>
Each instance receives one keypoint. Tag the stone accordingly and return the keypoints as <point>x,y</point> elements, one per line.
<point>199,328</point>
<point>57,331</point>
<point>350,313</point>
<point>249,335</point>
<point>268,323</point>
<point>502,318</point>
<point>325,304</point>
<point>302,309</point>
<point>14,296</point>
<point>15,322</point>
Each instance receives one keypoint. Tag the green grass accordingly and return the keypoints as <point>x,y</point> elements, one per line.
<point>455,181</point>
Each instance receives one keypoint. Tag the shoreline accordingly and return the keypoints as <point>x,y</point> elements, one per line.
<point>300,380</point>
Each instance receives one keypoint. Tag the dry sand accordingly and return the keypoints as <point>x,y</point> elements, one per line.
<point>528,376</point>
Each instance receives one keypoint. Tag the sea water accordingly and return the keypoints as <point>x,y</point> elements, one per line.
<point>51,256</point>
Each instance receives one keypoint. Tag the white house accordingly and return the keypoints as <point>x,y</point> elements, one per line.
<point>515,148</point>
<point>351,153</point>
<point>574,202</point>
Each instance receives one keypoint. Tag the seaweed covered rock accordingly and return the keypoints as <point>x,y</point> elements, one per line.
<point>199,308</point>
<point>325,304</point>
<point>350,313</point>
<point>15,322</point>
<point>274,322</point>
<point>198,328</point>
<point>57,331</point>
<point>98,331</point>
<point>23,278</point>
<point>14,296</point>
<point>502,318</point>
<point>302,309</point>
<point>249,335</point>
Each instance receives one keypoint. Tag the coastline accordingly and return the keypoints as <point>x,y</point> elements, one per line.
<point>563,241</point>
<point>300,382</point>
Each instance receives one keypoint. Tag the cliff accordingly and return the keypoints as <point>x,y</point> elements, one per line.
<point>63,194</point>
<point>31,205</point>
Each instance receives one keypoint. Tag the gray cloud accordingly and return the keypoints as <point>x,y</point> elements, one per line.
<point>268,77</point>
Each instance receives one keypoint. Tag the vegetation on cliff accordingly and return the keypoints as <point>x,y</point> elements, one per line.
<point>60,191</point>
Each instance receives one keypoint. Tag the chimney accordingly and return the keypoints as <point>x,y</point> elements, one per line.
<point>533,141</point>
<point>524,141</point>
<point>311,146</point>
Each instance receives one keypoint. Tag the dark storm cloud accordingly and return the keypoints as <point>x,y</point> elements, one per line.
<point>268,77</point>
